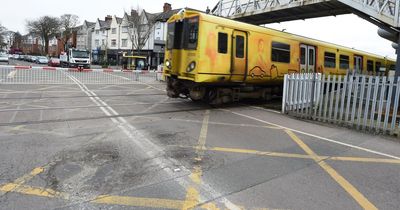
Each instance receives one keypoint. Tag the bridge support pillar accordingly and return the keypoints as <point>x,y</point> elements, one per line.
<point>397,73</point>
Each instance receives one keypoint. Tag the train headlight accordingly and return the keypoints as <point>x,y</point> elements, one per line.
<point>168,64</point>
<point>191,66</point>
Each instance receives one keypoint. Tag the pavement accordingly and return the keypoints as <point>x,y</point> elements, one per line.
<point>129,146</point>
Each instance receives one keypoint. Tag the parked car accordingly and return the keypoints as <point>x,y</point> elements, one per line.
<point>54,62</point>
<point>33,59</point>
<point>4,58</point>
<point>42,60</point>
<point>26,57</point>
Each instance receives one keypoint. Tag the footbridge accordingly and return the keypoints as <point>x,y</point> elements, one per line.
<point>383,13</point>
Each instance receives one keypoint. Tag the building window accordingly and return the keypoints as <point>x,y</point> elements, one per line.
<point>158,25</point>
<point>97,31</point>
<point>124,29</point>
<point>370,65</point>
<point>280,52</point>
<point>222,43</point>
<point>124,43</point>
<point>113,43</point>
<point>239,46</point>
<point>344,62</point>
<point>96,42</point>
<point>114,30</point>
<point>103,42</point>
<point>103,31</point>
<point>330,60</point>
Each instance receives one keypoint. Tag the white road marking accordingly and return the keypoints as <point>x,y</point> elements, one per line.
<point>151,149</point>
<point>11,75</point>
<point>316,136</point>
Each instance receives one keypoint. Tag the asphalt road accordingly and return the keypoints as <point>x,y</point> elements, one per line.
<point>26,63</point>
<point>112,146</point>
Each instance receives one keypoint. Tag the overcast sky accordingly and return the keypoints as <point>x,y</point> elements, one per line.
<point>348,30</point>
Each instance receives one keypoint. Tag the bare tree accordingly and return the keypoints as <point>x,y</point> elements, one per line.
<point>140,26</point>
<point>2,36</point>
<point>68,23</point>
<point>16,40</point>
<point>45,27</point>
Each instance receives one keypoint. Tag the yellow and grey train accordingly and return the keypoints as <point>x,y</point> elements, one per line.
<point>219,60</point>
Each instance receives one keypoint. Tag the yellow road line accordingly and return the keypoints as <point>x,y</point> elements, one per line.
<point>20,181</point>
<point>366,160</point>
<point>35,191</point>
<point>190,201</point>
<point>212,123</point>
<point>192,192</point>
<point>293,155</point>
<point>347,186</point>
<point>192,198</point>
<point>139,202</point>
<point>256,152</point>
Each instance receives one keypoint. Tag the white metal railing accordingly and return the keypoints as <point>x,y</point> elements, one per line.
<point>386,11</point>
<point>364,102</point>
<point>48,75</point>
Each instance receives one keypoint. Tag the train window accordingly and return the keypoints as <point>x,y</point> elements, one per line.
<point>222,42</point>
<point>191,33</point>
<point>330,60</point>
<point>370,65</point>
<point>239,46</point>
<point>303,56</point>
<point>378,66</point>
<point>344,62</point>
<point>311,57</point>
<point>280,52</point>
<point>170,38</point>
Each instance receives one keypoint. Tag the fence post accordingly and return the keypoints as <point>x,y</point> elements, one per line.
<point>395,106</point>
<point>356,85</point>
<point>321,97</point>
<point>339,82</point>
<point>285,92</point>
<point>360,105</point>
<point>333,88</point>
<point>380,108</point>
<point>349,91</point>
<point>328,84</point>
<point>367,102</point>
<point>374,98</point>
<point>388,102</point>
<point>312,95</point>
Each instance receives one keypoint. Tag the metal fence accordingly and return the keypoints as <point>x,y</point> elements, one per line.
<point>359,101</point>
<point>51,75</point>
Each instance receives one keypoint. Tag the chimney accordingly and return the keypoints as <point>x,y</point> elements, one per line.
<point>134,13</point>
<point>167,7</point>
<point>108,17</point>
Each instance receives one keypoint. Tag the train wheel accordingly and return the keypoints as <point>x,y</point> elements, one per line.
<point>211,95</point>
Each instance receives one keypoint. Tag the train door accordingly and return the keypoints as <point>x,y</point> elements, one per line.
<point>358,63</point>
<point>307,58</point>
<point>239,56</point>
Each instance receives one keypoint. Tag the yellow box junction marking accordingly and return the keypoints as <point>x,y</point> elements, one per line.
<point>192,193</point>
<point>347,186</point>
<point>20,181</point>
<point>139,202</point>
<point>294,155</point>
